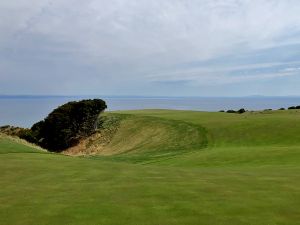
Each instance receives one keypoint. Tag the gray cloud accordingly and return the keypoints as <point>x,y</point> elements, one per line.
<point>120,46</point>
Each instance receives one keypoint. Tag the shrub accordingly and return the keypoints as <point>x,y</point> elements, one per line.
<point>281,109</point>
<point>4,127</point>
<point>240,111</point>
<point>292,107</point>
<point>27,135</point>
<point>231,111</point>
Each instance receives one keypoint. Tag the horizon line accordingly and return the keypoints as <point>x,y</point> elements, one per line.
<point>134,96</point>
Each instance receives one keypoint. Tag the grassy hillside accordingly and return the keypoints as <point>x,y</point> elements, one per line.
<point>151,172</point>
<point>260,128</point>
<point>141,138</point>
<point>16,145</point>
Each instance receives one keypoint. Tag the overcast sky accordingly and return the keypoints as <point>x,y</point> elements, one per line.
<point>150,47</point>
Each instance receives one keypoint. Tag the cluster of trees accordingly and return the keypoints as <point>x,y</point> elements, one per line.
<point>240,111</point>
<point>294,107</point>
<point>66,125</point>
<point>13,131</point>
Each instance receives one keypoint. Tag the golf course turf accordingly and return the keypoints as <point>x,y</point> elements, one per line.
<point>162,167</point>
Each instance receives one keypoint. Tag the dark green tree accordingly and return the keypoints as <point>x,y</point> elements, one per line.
<point>231,111</point>
<point>240,111</point>
<point>64,126</point>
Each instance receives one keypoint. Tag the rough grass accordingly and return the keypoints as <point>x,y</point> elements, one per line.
<point>261,128</point>
<point>9,144</point>
<point>140,138</point>
<point>234,181</point>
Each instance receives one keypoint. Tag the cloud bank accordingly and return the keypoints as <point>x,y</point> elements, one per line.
<point>142,47</point>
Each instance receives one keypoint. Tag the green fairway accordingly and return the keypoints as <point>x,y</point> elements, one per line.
<point>162,167</point>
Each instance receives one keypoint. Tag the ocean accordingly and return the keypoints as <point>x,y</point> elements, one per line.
<point>24,111</point>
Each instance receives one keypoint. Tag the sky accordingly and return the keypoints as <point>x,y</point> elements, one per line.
<point>150,48</point>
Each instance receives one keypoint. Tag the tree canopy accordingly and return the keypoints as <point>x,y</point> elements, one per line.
<point>65,125</point>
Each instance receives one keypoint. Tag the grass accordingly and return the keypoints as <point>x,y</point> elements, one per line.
<point>261,128</point>
<point>141,139</point>
<point>15,145</point>
<point>237,169</point>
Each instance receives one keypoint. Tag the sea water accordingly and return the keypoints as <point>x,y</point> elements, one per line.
<point>24,111</point>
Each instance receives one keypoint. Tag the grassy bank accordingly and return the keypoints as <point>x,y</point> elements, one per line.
<point>163,167</point>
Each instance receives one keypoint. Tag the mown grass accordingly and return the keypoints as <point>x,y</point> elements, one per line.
<point>242,182</point>
<point>15,145</point>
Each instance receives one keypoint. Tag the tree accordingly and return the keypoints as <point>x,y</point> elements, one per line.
<point>230,111</point>
<point>240,111</point>
<point>64,126</point>
<point>27,135</point>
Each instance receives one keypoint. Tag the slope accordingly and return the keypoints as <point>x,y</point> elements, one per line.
<point>141,137</point>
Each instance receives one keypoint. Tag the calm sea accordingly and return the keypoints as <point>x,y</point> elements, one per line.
<point>25,111</point>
